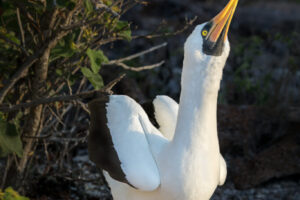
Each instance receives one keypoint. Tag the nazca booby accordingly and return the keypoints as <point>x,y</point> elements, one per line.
<point>181,160</point>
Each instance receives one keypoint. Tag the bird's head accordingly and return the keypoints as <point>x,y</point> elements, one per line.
<point>209,40</point>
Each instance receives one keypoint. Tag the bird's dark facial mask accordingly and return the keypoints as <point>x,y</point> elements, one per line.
<point>214,33</point>
<point>210,47</point>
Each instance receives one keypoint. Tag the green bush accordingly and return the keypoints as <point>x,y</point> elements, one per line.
<point>10,194</point>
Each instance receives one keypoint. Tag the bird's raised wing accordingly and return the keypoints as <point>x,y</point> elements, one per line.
<point>119,141</point>
<point>165,112</point>
<point>223,170</point>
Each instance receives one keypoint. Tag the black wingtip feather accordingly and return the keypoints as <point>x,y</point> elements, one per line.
<point>100,145</point>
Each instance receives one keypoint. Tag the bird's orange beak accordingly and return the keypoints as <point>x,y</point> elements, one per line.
<point>222,21</point>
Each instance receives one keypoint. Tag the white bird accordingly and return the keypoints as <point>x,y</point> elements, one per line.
<point>181,160</point>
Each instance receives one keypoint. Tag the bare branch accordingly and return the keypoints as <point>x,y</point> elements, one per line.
<point>119,62</point>
<point>18,75</point>
<point>101,6</point>
<point>52,21</point>
<point>112,62</point>
<point>8,164</point>
<point>83,106</point>
<point>85,22</point>
<point>38,137</point>
<point>56,116</point>
<point>96,180</point>
<point>111,84</point>
<point>138,69</point>
<point>107,40</point>
<point>28,63</point>
<point>151,36</point>
<point>39,102</point>
<point>21,28</point>
<point>63,140</point>
<point>63,98</point>
<point>148,36</point>
<point>80,24</point>
<point>71,13</point>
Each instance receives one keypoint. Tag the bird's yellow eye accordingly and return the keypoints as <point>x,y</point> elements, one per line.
<point>204,33</point>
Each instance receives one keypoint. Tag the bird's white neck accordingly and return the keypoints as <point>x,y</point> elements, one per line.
<point>196,122</point>
<point>200,82</point>
<point>194,150</point>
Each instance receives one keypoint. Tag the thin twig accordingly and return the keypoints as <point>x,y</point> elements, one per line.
<point>133,56</point>
<point>28,63</point>
<point>148,36</point>
<point>38,137</point>
<point>119,62</point>
<point>18,75</point>
<point>138,69</point>
<point>52,21</point>
<point>158,35</point>
<point>107,40</point>
<point>52,138</point>
<point>56,116</point>
<point>67,139</point>
<point>42,101</point>
<point>71,13</point>
<point>85,22</point>
<point>80,24</point>
<point>106,8</point>
<point>82,180</point>
<point>83,106</point>
<point>21,28</point>
<point>8,163</point>
<point>111,84</point>
<point>63,98</point>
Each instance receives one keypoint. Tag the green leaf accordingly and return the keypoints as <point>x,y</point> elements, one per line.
<point>9,35</point>
<point>88,6</point>
<point>65,48</point>
<point>123,29</point>
<point>10,141</point>
<point>96,57</point>
<point>59,72</point>
<point>126,35</point>
<point>95,78</point>
<point>11,194</point>
<point>107,2</point>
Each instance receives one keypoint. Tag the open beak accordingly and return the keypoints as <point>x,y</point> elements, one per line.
<point>222,21</point>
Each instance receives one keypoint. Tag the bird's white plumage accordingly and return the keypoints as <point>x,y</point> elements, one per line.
<point>165,111</point>
<point>124,118</point>
<point>189,165</point>
<point>223,170</point>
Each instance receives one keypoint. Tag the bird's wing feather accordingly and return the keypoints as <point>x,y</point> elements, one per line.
<point>165,112</point>
<point>119,141</point>
<point>223,170</point>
